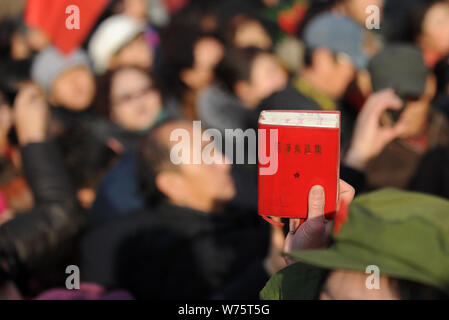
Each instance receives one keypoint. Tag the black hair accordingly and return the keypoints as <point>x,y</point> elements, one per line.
<point>308,56</point>
<point>406,24</point>
<point>177,56</point>
<point>12,72</point>
<point>8,27</point>
<point>153,156</point>
<point>178,41</point>
<point>442,74</point>
<point>86,155</point>
<point>236,66</point>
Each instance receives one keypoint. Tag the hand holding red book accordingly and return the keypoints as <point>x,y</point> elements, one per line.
<point>305,149</point>
<point>314,233</point>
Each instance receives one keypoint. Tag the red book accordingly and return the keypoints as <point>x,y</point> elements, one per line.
<point>307,149</point>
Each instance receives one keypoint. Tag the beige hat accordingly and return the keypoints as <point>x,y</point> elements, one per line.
<point>110,36</point>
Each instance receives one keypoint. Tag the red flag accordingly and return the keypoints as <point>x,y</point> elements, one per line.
<point>59,20</point>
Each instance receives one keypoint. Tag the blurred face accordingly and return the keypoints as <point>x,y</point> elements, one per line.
<point>137,9</point>
<point>208,184</point>
<point>135,104</point>
<point>350,285</point>
<point>267,76</point>
<point>19,47</point>
<point>37,39</point>
<point>207,54</point>
<point>356,9</point>
<point>435,29</point>
<point>74,89</point>
<point>200,186</point>
<point>332,73</point>
<point>136,53</point>
<point>252,34</point>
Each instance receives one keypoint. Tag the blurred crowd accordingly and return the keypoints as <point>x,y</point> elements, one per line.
<point>85,171</point>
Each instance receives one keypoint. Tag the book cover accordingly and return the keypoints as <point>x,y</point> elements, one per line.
<point>308,153</point>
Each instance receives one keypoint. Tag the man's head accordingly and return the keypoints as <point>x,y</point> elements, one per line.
<point>401,67</point>
<point>333,53</point>
<point>198,186</point>
<point>67,80</point>
<point>252,74</point>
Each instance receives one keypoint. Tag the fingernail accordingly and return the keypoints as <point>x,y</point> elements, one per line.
<point>317,191</point>
<point>294,225</point>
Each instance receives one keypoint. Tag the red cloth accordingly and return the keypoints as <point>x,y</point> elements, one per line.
<point>50,17</point>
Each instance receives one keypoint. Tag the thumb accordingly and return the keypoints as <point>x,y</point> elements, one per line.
<point>316,203</point>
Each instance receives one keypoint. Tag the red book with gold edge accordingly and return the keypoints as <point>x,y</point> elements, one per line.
<point>308,154</point>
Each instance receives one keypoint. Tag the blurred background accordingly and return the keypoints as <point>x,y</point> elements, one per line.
<point>88,90</point>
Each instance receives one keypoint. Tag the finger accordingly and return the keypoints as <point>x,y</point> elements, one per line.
<point>276,219</point>
<point>386,136</point>
<point>277,238</point>
<point>346,193</point>
<point>400,128</point>
<point>316,203</point>
<point>389,134</point>
<point>294,225</point>
<point>30,89</point>
<point>387,101</point>
<point>24,95</point>
<point>375,98</point>
<point>346,189</point>
<point>288,260</point>
<point>382,97</point>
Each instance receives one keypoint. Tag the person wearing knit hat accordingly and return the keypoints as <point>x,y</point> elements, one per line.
<point>119,41</point>
<point>390,244</point>
<point>66,79</point>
